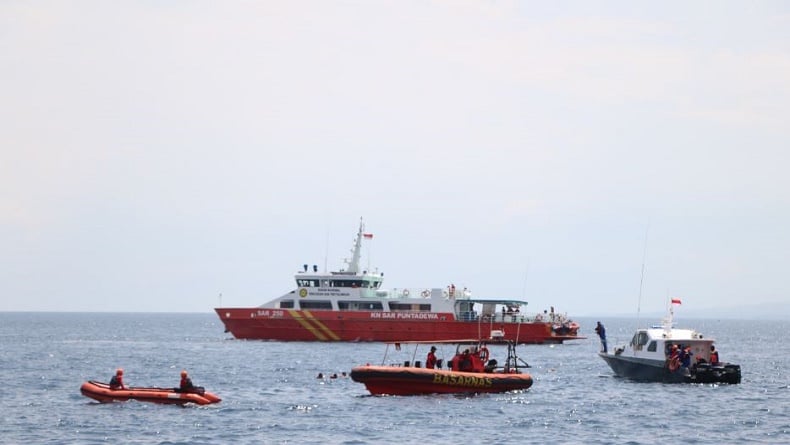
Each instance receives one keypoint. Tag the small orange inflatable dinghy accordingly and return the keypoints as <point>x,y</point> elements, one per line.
<point>101,392</point>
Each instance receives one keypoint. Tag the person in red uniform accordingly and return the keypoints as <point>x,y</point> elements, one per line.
<point>714,355</point>
<point>430,361</point>
<point>465,361</point>
<point>186,382</point>
<point>116,382</point>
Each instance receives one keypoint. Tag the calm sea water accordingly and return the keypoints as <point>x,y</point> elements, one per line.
<point>271,394</point>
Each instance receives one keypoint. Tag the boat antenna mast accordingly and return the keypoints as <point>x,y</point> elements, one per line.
<point>642,277</point>
<point>353,263</point>
<point>670,318</point>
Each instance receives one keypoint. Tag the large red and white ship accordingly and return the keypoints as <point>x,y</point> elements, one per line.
<point>350,305</point>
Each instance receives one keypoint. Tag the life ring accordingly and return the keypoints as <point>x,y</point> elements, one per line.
<point>483,354</point>
<point>674,364</point>
<point>405,292</point>
<point>426,293</point>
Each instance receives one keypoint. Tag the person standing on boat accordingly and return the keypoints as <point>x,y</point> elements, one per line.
<point>465,364</point>
<point>430,361</point>
<point>714,355</point>
<point>116,382</point>
<point>186,383</point>
<point>601,331</point>
<point>685,357</point>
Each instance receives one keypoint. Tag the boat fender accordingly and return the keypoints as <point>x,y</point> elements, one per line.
<point>483,354</point>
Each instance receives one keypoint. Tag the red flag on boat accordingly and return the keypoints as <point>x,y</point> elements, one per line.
<point>676,301</point>
<point>368,235</point>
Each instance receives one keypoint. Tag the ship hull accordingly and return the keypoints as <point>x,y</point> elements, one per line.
<point>403,381</point>
<point>102,392</point>
<point>647,370</point>
<point>358,326</point>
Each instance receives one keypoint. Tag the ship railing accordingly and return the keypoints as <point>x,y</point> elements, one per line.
<point>492,318</point>
<point>419,292</point>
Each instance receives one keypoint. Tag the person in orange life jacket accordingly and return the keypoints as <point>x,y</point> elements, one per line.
<point>186,382</point>
<point>477,362</point>
<point>454,362</point>
<point>116,382</point>
<point>714,355</point>
<point>674,353</point>
<point>430,361</point>
<point>465,361</point>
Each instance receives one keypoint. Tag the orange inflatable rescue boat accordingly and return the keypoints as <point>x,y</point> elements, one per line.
<point>101,392</point>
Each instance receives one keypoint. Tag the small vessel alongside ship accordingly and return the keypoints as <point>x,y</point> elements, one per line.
<point>350,305</point>
<point>655,355</point>
<point>471,370</point>
<point>102,392</point>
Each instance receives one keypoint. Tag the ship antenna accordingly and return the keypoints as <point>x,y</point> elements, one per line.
<point>670,316</point>
<point>642,278</point>
<point>353,263</point>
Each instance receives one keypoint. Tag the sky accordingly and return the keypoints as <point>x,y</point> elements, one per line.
<point>598,157</point>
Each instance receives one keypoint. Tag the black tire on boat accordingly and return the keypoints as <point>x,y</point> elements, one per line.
<point>732,374</point>
<point>703,373</point>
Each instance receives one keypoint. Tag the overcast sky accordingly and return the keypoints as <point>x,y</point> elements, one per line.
<point>154,155</point>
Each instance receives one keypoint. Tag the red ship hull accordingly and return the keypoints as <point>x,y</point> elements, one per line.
<point>363,326</point>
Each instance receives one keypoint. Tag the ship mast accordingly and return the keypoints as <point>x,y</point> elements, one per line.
<point>353,263</point>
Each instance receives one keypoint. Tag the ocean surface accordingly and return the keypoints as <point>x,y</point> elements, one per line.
<point>271,393</point>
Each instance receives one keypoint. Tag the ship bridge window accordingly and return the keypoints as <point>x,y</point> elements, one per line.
<point>360,305</point>
<point>370,284</point>
<point>639,340</point>
<point>404,307</point>
<point>345,283</point>
<point>317,304</point>
<point>307,282</point>
<point>652,346</point>
<point>287,304</point>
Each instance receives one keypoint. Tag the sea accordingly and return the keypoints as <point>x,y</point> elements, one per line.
<point>271,392</point>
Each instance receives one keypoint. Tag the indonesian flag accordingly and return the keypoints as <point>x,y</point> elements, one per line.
<point>368,235</point>
<point>676,301</point>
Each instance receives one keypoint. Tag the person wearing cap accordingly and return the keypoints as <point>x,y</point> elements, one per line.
<point>430,361</point>
<point>116,382</point>
<point>186,382</point>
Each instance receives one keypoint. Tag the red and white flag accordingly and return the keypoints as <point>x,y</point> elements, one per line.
<point>368,235</point>
<point>676,301</point>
